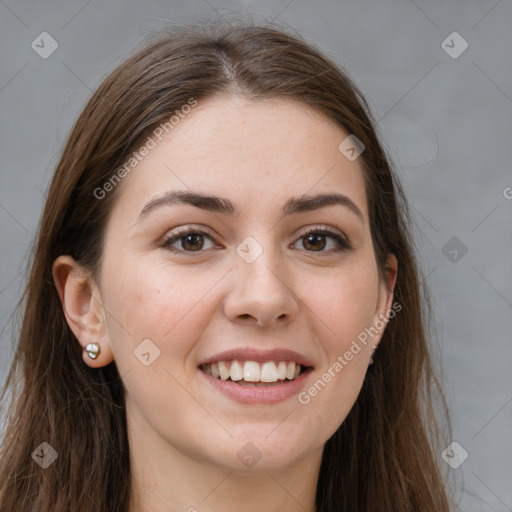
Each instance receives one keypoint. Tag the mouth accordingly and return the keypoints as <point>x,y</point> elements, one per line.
<point>253,376</point>
<point>255,373</point>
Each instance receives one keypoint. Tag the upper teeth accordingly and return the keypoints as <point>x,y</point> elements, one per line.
<point>253,371</point>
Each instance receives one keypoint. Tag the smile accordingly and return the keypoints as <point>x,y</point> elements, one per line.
<point>254,373</point>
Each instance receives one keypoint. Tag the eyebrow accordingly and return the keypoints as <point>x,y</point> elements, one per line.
<point>221,205</point>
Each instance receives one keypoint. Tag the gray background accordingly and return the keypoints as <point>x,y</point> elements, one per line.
<point>446,121</point>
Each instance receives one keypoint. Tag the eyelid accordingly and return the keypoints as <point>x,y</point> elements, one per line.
<point>324,227</point>
<point>189,228</point>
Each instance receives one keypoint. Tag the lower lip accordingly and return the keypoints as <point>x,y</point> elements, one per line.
<point>258,395</point>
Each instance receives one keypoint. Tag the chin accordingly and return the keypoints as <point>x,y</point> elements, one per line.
<point>260,449</point>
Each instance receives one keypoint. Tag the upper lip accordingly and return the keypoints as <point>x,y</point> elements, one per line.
<point>254,354</point>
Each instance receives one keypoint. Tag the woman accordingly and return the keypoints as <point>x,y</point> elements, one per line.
<point>222,250</point>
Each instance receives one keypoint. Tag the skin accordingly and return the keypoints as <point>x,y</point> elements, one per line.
<point>184,435</point>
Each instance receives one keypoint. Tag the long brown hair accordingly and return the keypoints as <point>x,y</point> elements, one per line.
<point>385,455</point>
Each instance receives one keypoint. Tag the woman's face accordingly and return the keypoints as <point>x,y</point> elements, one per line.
<point>257,280</point>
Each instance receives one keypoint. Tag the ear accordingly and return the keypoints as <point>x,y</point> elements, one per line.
<point>81,301</point>
<point>385,299</point>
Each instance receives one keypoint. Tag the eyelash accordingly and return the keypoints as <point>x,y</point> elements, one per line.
<point>341,242</point>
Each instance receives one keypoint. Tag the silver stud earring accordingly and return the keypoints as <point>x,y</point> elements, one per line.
<point>93,350</point>
<point>371,357</point>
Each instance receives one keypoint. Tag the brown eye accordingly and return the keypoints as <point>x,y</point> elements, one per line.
<point>314,242</point>
<point>191,241</point>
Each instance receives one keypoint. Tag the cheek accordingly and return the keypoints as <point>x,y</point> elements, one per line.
<point>163,305</point>
<point>150,302</point>
<point>344,306</point>
<point>345,302</point>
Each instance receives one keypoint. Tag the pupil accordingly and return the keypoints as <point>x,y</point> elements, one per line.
<point>195,240</point>
<point>315,239</point>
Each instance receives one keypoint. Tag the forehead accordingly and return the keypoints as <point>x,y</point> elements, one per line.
<point>256,152</point>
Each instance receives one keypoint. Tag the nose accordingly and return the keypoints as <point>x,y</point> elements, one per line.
<point>261,292</point>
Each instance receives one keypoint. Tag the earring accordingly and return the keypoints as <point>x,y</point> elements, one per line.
<point>93,350</point>
<point>371,357</point>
